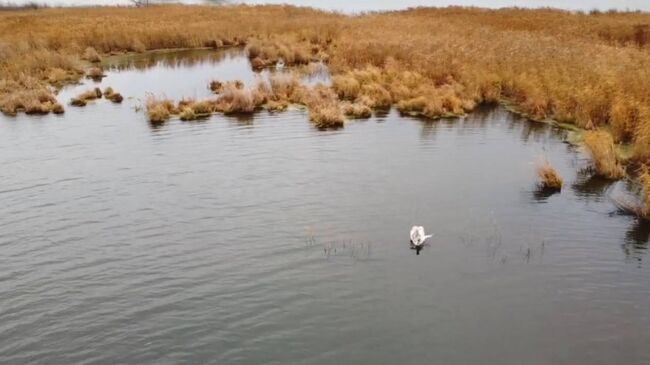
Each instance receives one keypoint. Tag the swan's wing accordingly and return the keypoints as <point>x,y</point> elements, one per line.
<point>421,233</point>
<point>417,235</point>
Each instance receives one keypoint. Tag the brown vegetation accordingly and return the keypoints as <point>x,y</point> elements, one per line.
<point>95,73</point>
<point>216,86</point>
<point>91,55</point>
<point>83,98</point>
<point>159,109</point>
<point>356,110</point>
<point>549,179</point>
<point>113,96</point>
<point>38,101</point>
<point>606,161</point>
<point>235,99</point>
<point>324,108</point>
<point>585,69</point>
<point>57,108</point>
<point>638,205</point>
<point>271,51</point>
<point>187,114</point>
<point>274,94</point>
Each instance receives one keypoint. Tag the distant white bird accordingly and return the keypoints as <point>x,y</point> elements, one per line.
<point>280,65</point>
<point>418,237</point>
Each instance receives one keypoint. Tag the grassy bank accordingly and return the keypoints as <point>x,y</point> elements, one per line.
<point>590,70</point>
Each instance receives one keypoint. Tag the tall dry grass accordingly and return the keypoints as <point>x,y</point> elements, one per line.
<point>159,109</point>
<point>592,70</point>
<point>549,179</point>
<point>272,94</point>
<point>234,99</point>
<point>606,161</point>
<point>324,108</point>
<point>112,95</point>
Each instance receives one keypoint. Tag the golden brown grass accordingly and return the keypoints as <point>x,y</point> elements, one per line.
<point>83,98</point>
<point>57,108</point>
<point>187,114</point>
<point>159,109</point>
<point>277,106</point>
<point>270,51</point>
<point>78,102</point>
<point>606,161</point>
<point>38,101</point>
<point>549,179</point>
<point>587,69</point>
<point>189,109</point>
<point>356,110</point>
<point>113,96</point>
<point>283,88</point>
<point>91,55</point>
<point>108,91</point>
<point>216,86</point>
<point>234,99</point>
<point>324,109</point>
<point>95,73</point>
<point>273,94</point>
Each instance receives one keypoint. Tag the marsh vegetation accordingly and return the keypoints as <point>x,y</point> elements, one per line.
<point>549,179</point>
<point>584,69</point>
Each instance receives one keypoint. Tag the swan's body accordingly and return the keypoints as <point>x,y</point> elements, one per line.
<point>280,65</point>
<point>418,237</point>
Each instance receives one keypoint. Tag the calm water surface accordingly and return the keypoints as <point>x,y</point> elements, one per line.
<point>265,241</point>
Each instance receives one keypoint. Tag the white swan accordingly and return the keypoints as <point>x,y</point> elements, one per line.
<point>418,237</point>
<point>280,65</point>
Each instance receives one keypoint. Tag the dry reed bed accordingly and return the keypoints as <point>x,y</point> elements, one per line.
<point>94,94</point>
<point>112,95</point>
<point>592,70</point>
<point>549,179</point>
<point>274,94</point>
<point>606,161</point>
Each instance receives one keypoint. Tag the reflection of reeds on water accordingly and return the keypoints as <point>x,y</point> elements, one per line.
<point>636,239</point>
<point>499,248</point>
<point>606,161</point>
<point>589,185</point>
<point>342,248</point>
<point>355,250</point>
<point>170,59</point>
<point>636,203</point>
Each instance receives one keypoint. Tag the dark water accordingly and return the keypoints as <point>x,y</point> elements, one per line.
<point>266,241</point>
